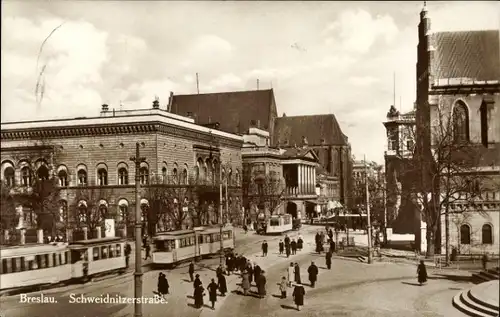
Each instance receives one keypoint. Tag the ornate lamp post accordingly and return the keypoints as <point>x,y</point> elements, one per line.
<point>138,226</point>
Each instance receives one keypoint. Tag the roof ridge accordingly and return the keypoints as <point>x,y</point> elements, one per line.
<point>226,92</point>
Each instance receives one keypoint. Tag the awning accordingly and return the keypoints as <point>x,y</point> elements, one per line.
<point>332,204</point>
<point>314,202</point>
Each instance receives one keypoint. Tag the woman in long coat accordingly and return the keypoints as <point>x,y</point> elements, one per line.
<point>198,296</point>
<point>261,285</point>
<point>291,274</point>
<point>300,244</point>
<point>422,273</point>
<point>222,284</point>
<point>212,292</point>
<point>298,295</point>
<point>163,287</point>
<point>297,273</point>
<point>245,283</point>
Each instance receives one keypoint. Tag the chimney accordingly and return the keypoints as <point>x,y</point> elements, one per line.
<point>105,108</point>
<point>258,124</point>
<point>156,103</point>
<point>170,101</point>
<point>189,114</point>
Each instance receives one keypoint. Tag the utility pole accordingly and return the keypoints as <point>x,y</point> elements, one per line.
<point>220,217</point>
<point>138,226</point>
<point>227,202</point>
<point>384,192</point>
<point>368,215</point>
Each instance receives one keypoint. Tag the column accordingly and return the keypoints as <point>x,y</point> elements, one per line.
<point>98,232</point>
<point>22,239</point>
<point>85,233</point>
<point>308,179</point>
<point>39,236</point>
<point>299,168</point>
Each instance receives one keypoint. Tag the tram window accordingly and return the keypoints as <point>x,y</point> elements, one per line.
<point>6,266</point>
<point>112,252</point>
<point>192,241</point>
<point>1,268</point>
<point>15,265</point>
<point>104,252</point>
<point>50,260</point>
<point>96,253</point>
<point>274,222</point>
<point>200,239</point>
<point>182,243</point>
<point>118,250</point>
<point>23,264</point>
<point>57,259</point>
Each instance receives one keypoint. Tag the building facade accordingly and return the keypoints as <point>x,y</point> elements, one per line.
<point>90,157</point>
<point>458,75</point>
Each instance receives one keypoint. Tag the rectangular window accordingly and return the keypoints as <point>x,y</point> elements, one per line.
<point>104,252</point>
<point>23,264</point>
<point>112,252</point>
<point>50,258</point>
<point>15,265</point>
<point>7,266</point>
<point>96,253</point>
<point>118,250</point>
<point>200,239</point>
<point>57,259</point>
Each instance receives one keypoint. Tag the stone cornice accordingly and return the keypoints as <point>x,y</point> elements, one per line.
<point>114,129</point>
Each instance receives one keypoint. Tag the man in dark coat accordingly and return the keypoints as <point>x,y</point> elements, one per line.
<point>281,246</point>
<point>261,284</point>
<point>293,246</point>
<point>250,272</point>
<point>128,250</point>
<point>198,296</point>
<point>229,264</point>
<point>256,272</point>
<point>296,271</point>
<point>298,295</point>
<point>317,239</point>
<point>264,248</point>
<point>300,244</point>
<point>163,287</point>
<point>219,270</point>
<point>191,271</point>
<point>332,246</point>
<point>147,247</point>
<point>212,292</point>
<point>197,282</point>
<point>313,274</point>
<point>329,259</point>
<point>422,273</point>
<point>222,284</point>
<point>287,241</point>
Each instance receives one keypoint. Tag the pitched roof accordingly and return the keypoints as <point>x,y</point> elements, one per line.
<point>467,54</point>
<point>233,110</point>
<point>314,128</point>
<point>299,153</point>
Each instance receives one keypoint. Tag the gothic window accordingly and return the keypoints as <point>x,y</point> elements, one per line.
<point>487,234</point>
<point>82,213</point>
<point>174,174</point>
<point>164,174</point>
<point>122,176</point>
<point>237,178</point>
<point>144,175</point>
<point>42,173</point>
<point>460,123</point>
<point>230,177</point>
<point>464,234</point>
<point>9,177</point>
<point>63,210</point>
<point>26,176</point>
<point>63,178</point>
<point>102,176</point>
<point>185,176</point>
<point>82,177</point>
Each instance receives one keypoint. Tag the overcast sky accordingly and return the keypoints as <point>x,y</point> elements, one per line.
<point>325,57</point>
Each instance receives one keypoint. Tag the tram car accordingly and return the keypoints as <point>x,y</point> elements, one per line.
<point>34,264</point>
<point>174,247</point>
<point>275,224</point>
<point>97,257</point>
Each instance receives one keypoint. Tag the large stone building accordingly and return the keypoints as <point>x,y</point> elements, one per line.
<point>458,74</point>
<point>91,158</point>
<point>236,112</point>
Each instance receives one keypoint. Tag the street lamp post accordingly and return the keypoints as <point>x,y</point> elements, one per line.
<point>368,216</point>
<point>220,218</point>
<point>138,226</point>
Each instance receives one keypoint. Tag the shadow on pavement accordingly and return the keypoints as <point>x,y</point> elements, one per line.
<point>277,296</point>
<point>190,296</point>
<point>186,280</point>
<point>413,284</point>
<point>288,307</point>
<point>193,306</point>
<point>451,277</point>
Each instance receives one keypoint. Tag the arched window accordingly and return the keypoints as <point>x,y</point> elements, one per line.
<point>144,175</point>
<point>208,173</point>
<point>464,234</point>
<point>102,176</point>
<point>63,210</point>
<point>122,176</point>
<point>82,213</point>
<point>26,176</point>
<point>82,177</point>
<point>103,210</point>
<point>185,176</point>
<point>460,122</point>
<point>122,211</point>
<point>487,234</point>
<point>42,173</point>
<point>9,176</point>
<point>63,178</point>
<point>164,174</point>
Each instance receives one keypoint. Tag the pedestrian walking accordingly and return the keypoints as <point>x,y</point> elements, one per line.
<point>317,239</point>
<point>328,259</point>
<point>485,260</point>
<point>250,272</point>
<point>283,286</point>
<point>296,272</point>
<point>422,273</point>
<point>191,271</point>
<point>212,292</point>
<point>221,281</point>
<point>264,248</point>
<point>287,241</point>
<point>197,282</point>
<point>300,244</point>
<point>147,247</point>
<point>293,246</point>
<point>281,246</point>
<point>261,285</point>
<point>163,287</point>
<point>298,295</point>
<point>128,250</point>
<point>256,272</point>
<point>219,270</point>
<point>313,274</point>
<point>198,296</point>
<point>332,246</point>
<point>291,274</point>
<point>245,283</point>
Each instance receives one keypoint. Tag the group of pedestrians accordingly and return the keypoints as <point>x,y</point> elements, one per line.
<point>290,247</point>
<point>213,287</point>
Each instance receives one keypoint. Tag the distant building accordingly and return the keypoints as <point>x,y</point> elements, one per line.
<point>458,73</point>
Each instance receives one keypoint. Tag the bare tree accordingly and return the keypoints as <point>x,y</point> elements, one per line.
<point>265,191</point>
<point>8,217</point>
<point>442,171</point>
<point>88,208</point>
